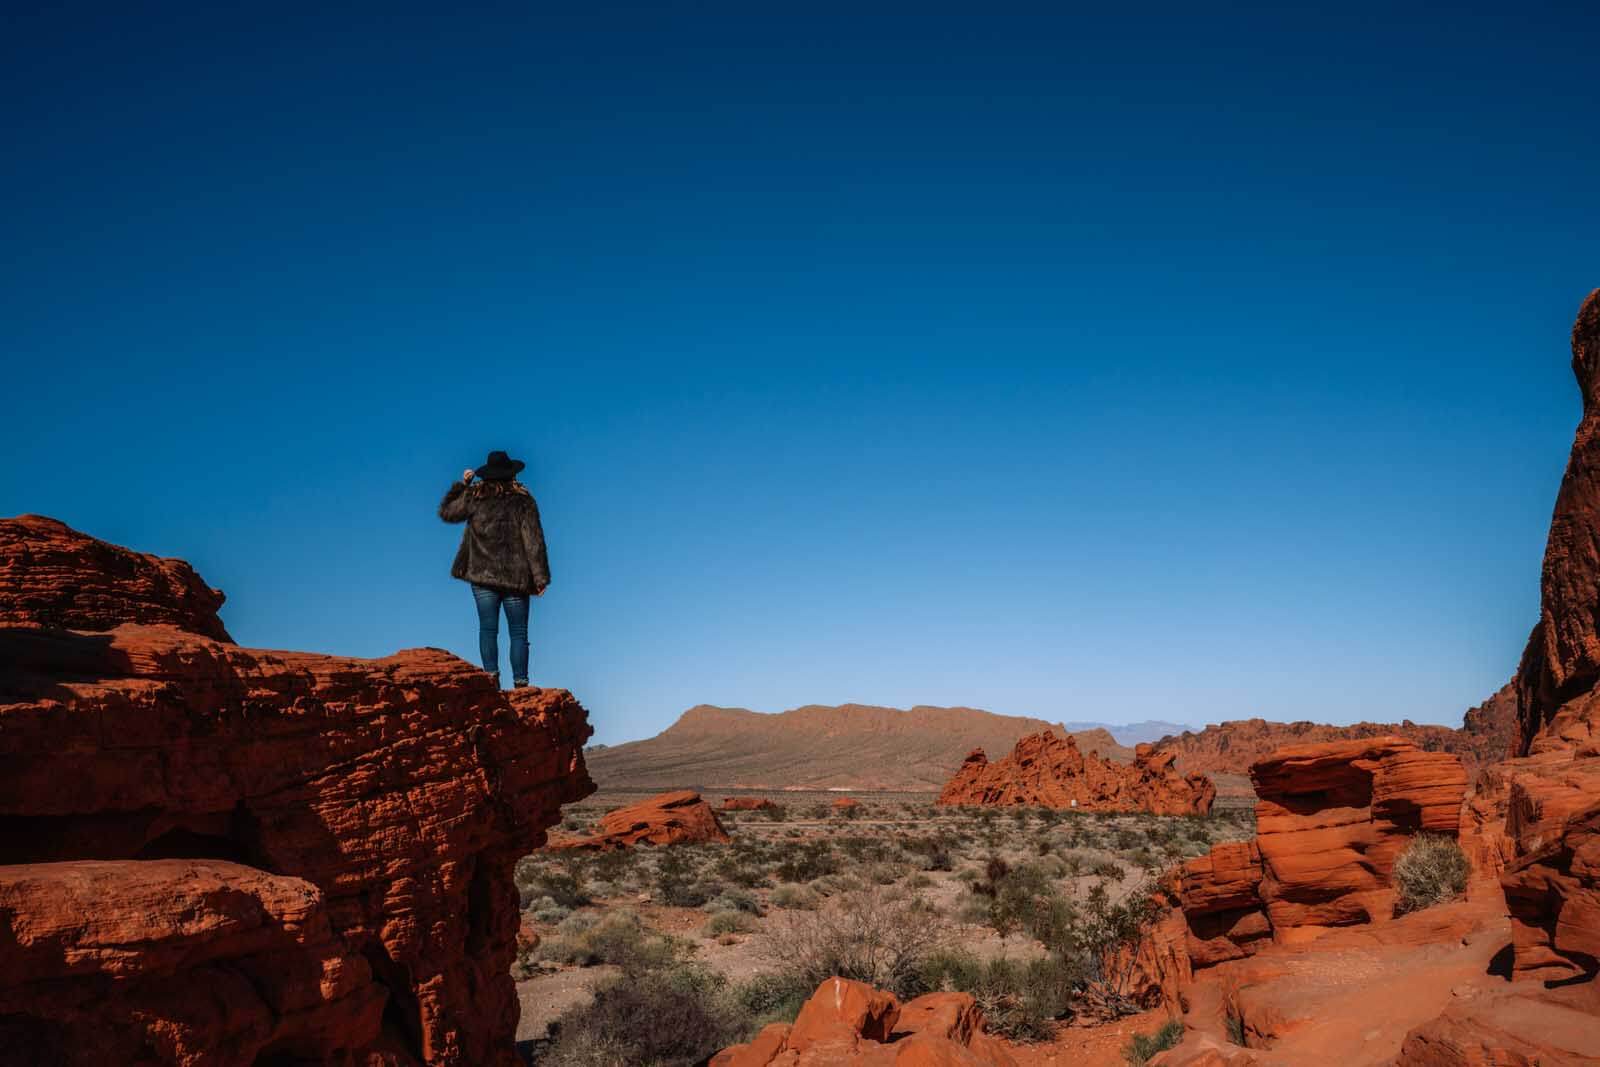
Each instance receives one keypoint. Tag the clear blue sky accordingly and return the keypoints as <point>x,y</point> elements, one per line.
<point>1190,363</point>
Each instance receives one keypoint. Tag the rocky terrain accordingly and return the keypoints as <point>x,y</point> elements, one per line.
<point>852,746</point>
<point>228,856</point>
<point>1047,771</point>
<point>1232,747</point>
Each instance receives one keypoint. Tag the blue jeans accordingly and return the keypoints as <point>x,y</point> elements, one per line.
<point>516,605</point>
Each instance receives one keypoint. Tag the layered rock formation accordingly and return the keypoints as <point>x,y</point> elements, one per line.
<point>849,1024</point>
<point>1486,735</point>
<point>1049,771</point>
<point>680,817</point>
<point>212,854</point>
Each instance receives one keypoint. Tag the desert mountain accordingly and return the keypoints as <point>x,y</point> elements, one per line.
<point>851,746</point>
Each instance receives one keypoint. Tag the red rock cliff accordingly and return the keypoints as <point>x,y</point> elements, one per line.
<point>1049,771</point>
<point>212,854</point>
<point>1558,707</point>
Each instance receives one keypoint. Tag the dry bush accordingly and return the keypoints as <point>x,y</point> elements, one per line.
<point>1431,870</point>
<point>871,935</point>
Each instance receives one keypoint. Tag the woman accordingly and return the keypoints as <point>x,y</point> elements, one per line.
<point>502,555</point>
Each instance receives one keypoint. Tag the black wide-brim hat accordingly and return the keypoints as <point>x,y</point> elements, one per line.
<point>500,468</point>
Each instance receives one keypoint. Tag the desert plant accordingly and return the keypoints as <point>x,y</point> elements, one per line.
<point>1020,999</point>
<point>794,897</point>
<point>674,1016</point>
<point>618,938</point>
<point>1141,1047</point>
<point>728,922</point>
<point>871,935</point>
<point>1430,871</point>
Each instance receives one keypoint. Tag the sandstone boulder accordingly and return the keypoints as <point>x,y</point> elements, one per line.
<point>1049,771</point>
<point>213,854</point>
<point>680,817</point>
<point>849,1024</point>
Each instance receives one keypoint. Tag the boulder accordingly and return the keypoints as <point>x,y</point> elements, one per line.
<point>850,1024</point>
<point>261,856</point>
<point>1553,893</point>
<point>1044,770</point>
<point>680,817</point>
<point>846,802</point>
<point>747,804</point>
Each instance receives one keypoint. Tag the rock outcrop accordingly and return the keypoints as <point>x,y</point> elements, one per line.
<point>1233,747</point>
<point>1332,819</point>
<point>849,1024</point>
<point>220,855</point>
<point>1049,771</point>
<point>680,817</point>
<point>1558,707</point>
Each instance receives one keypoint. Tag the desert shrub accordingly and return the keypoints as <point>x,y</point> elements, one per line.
<point>618,938</point>
<point>562,887</point>
<point>794,897</point>
<point>674,1016</point>
<point>919,881</point>
<point>734,900</point>
<point>775,997</point>
<point>1142,1047</point>
<point>884,872</point>
<point>810,861</point>
<point>1020,999</point>
<point>1236,1029</point>
<point>546,910</point>
<point>833,885</point>
<point>728,922</point>
<point>1107,869</point>
<point>872,935</point>
<point>1431,870</point>
<point>933,853</point>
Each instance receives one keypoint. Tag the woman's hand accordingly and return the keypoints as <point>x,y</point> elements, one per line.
<point>466,476</point>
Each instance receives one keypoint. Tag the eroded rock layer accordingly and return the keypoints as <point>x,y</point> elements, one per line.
<point>212,854</point>
<point>1049,771</point>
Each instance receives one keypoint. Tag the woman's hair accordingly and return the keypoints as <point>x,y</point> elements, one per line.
<point>491,487</point>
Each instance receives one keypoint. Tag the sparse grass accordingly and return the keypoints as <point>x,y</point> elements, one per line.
<point>1431,870</point>
<point>1142,1047</point>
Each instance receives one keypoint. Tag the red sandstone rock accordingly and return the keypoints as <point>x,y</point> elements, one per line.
<point>1558,708</point>
<point>847,802</point>
<point>1553,893</point>
<point>211,854</point>
<point>1233,747</point>
<point>1048,771</point>
<point>1331,820</point>
<point>747,804</point>
<point>52,575</point>
<point>1521,1026</point>
<point>849,1024</point>
<point>676,818</point>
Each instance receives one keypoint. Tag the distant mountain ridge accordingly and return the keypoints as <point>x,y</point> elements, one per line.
<point>851,746</point>
<point>1133,733</point>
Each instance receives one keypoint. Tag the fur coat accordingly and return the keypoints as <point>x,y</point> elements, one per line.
<point>503,544</point>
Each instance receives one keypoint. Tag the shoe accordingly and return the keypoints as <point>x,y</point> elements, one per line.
<point>520,684</point>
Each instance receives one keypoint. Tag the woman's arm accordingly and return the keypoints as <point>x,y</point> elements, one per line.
<point>533,545</point>
<point>456,505</point>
